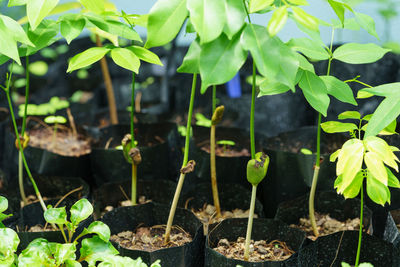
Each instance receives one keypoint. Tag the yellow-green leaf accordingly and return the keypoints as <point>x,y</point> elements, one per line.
<point>126,59</point>
<point>377,192</point>
<point>258,5</point>
<point>305,19</point>
<point>145,55</point>
<point>380,147</point>
<point>277,21</point>
<point>350,161</point>
<point>37,10</point>
<point>375,165</point>
<point>349,115</point>
<point>338,127</point>
<point>87,57</point>
<point>392,179</point>
<point>334,155</point>
<point>353,189</point>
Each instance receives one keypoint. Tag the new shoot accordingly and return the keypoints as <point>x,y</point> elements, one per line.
<point>256,171</point>
<point>216,118</point>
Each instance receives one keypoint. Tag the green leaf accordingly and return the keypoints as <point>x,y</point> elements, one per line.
<point>96,6</point>
<point>8,46</point>
<point>315,92</point>
<point>12,3</point>
<point>392,179</point>
<point>367,23</point>
<point>257,168</point>
<point>38,68</point>
<point>208,18</point>
<point>338,8</point>
<point>390,129</point>
<point>387,111</point>
<point>87,57</point>
<point>145,55</point>
<point>306,151</point>
<point>80,211</point>
<point>64,252</point>
<point>299,2</point>
<point>304,65</point>
<point>277,21</point>
<point>220,60</point>
<point>56,215</point>
<point>8,246</point>
<point>44,35</point>
<point>338,127</point>
<point>94,249</point>
<point>349,115</point>
<point>354,53</point>
<point>113,27</point>
<point>350,161</point>
<point>37,10</point>
<point>375,165</point>
<point>16,30</point>
<point>305,19</point>
<point>72,28</point>
<point>339,89</point>
<point>381,148</point>
<point>236,17</point>
<point>99,228</point>
<point>55,119</point>
<point>334,156</point>
<point>388,89</point>
<point>272,57</point>
<point>3,204</point>
<point>309,48</point>
<point>126,58</point>
<point>377,192</point>
<point>165,20</point>
<point>271,87</point>
<point>191,61</point>
<point>354,188</point>
<point>258,5</point>
<point>62,8</point>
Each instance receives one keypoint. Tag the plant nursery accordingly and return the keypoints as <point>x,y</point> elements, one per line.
<point>190,133</point>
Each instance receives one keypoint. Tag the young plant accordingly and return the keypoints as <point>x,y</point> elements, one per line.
<point>96,249</point>
<point>126,57</point>
<point>55,120</point>
<point>363,158</point>
<point>216,118</point>
<point>256,172</point>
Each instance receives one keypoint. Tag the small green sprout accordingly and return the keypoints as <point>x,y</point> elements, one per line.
<point>306,151</point>
<point>55,120</point>
<point>82,74</point>
<point>201,120</point>
<point>38,68</point>
<point>226,143</point>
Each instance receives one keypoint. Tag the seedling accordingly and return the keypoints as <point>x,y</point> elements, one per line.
<point>3,207</point>
<point>363,150</point>
<point>216,118</point>
<point>306,151</point>
<point>226,144</point>
<point>256,171</point>
<point>55,120</point>
<point>95,247</point>
<point>201,120</point>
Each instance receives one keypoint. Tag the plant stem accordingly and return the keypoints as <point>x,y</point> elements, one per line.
<point>214,185</point>
<point>134,166</point>
<point>361,226</point>
<point>134,182</point>
<point>108,85</point>
<point>21,179</point>
<point>39,196</point>
<point>214,99</point>
<point>311,209</point>
<point>54,136</point>
<point>62,232</point>
<point>20,164</point>
<point>253,100</point>
<point>185,161</point>
<point>189,121</point>
<point>133,110</point>
<point>26,96</point>
<point>250,222</point>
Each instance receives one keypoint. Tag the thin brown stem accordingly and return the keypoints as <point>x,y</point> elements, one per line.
<point>108,85</point>
<point>134,182</point>
<point>72,122</point>
<point>214,185</point>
